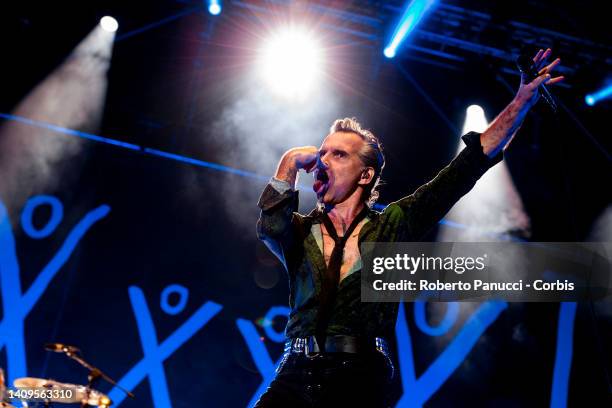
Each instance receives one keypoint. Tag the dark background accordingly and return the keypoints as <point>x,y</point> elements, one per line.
<point>171,222</point>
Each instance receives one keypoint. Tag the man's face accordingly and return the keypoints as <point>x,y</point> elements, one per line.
<point>339,168</point>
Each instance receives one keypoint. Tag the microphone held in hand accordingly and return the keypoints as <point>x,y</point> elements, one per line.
<point>527,67</point>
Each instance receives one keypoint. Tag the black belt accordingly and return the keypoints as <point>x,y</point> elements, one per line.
<point>337,344</point>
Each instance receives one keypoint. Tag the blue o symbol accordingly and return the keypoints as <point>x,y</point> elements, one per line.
<point>272,313</point>
<point>57,213</point>
<point>420,318</point>
<point>180,305</point>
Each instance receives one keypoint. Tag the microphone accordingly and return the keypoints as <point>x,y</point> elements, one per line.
<point>527,67</point>
<point>61,348</point>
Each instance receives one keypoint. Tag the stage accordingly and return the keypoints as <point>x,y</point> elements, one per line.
<point>136,141</point>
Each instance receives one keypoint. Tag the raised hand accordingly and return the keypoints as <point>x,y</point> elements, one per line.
<point>500,132</point>
<point>305,157</point>
<point>298,158</point>
<point>528,91</point>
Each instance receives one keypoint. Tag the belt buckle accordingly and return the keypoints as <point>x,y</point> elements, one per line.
<point>311,348</point>
<point>297,345</point>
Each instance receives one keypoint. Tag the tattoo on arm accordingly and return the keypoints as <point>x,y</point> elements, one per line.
<point>287,171</point>
<point>502,129</point>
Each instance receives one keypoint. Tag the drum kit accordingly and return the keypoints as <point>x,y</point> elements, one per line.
<point>30,392</point>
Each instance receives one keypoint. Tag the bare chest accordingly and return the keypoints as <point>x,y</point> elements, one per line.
<point>351,250</point>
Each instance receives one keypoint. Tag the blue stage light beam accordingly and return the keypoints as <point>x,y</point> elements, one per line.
<point>604,93</point>
<point>411,18</point>
<point>214,7</point>
<point>159,23</point>
<point>175,157</point>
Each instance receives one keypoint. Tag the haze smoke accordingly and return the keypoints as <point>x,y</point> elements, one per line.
<point>257,129</point>
<point>33,159</point>
<point>492,208</point>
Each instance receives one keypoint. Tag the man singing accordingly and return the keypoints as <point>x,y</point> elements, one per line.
<point>337,353</point>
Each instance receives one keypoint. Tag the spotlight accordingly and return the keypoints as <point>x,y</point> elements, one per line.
<point>214,7</point>
<point>109,24</point>
<point>589,100</point>
<point>492,207</point>
<point>603,93</point>
<point>475,119</point>
<point>412,16</point>
<point>389,52</point>
<point>291,62</point>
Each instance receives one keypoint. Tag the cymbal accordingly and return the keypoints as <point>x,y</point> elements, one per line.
<point>72,393</point>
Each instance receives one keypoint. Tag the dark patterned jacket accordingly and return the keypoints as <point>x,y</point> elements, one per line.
<point>296,240</point>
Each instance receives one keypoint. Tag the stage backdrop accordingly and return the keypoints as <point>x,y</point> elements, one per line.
<point>151,267</point>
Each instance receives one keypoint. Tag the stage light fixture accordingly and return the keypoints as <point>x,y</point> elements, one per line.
<point>69,100</point>
<point>291,62</point>
<point>214,7</point>
<point>475,119</point>
<point>389,52</point>
<point>589,100</point>
<point>493,207</point>
<point>109,24</point>
<point>603,93</point>
<point>410,19</point>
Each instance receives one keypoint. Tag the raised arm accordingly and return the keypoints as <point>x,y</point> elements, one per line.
<point>293,161</point>
<point>277,222</point>
<point>420,211</point>
<point>503,128</point>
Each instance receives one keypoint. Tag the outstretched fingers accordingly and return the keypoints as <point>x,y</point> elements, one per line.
<point>542,79</point>
<point>536,59</point>
<point>555,80</point>
<point>550,66</point>
<point>545,79</point>
<point>544,70</point>
<point>541,57</point>
<point>548,69</point>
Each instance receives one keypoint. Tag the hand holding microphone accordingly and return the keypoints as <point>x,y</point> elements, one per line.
<point>535,74</point>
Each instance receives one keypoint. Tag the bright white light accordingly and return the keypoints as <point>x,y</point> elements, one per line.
<point>389,52</point>
<point>291,63</point>
<point>589,100</point>
<point>475,120</point>
<point>214,8</point>
<point>492,207</point>
<point>109,24</point>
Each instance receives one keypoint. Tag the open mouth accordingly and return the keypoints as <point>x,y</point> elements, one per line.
<point>321,181</point>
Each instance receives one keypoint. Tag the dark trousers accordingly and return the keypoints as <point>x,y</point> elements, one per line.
<point>329,380</point>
